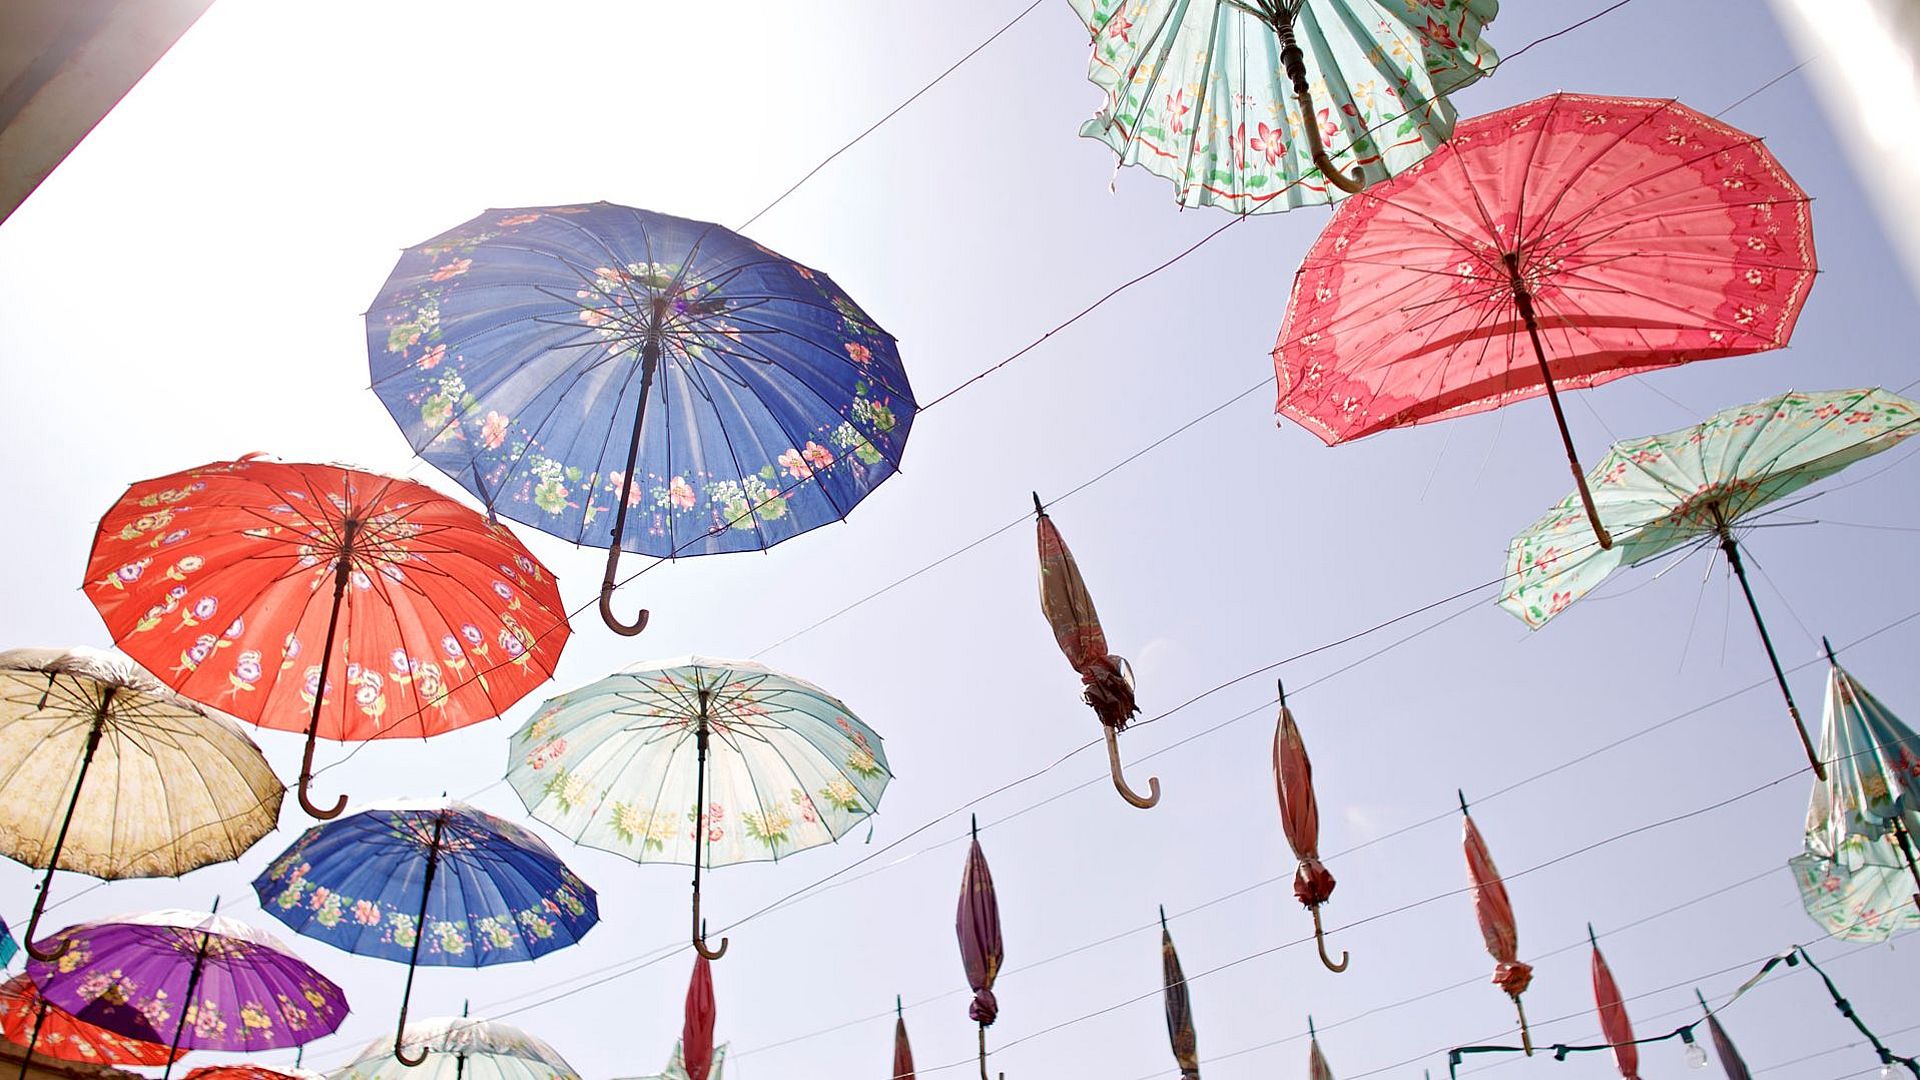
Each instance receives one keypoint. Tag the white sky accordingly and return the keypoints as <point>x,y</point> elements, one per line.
<point>187,286</point>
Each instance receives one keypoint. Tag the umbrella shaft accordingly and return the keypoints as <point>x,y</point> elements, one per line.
<point>66,823</point>
<point>1732,548</point>
<point>33,1039</point>
<point>419,931</point>
<point>186,1002</point>
<point>342,572</point>
<point>1905,840</point>
<point>699,805</point>
<point>1523,299</point>
<point>650,359</point>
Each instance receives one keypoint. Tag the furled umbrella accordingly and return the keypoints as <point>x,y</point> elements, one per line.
<point>1858,875</point>
<point>1300,819</point>
<point>1694,486</point>
<point>1614,1025</point>
<point>1558,244</point>
<point>697,760</point>
<point>109,773</point>
<point>1497,927</point>
<point>1255,105</point>
<point>1186,1048</point>
<point>566,363</point>
<point>202,980</point>
<point>31,1021</point>
<point>1317,1067</point>
<point>1723,1048</point>
<point>977,925</point>
<point>696,1033</point>
<point>324,600</point>
<point>1068,606</point>
<point>455,1047</point>
<point>902,1049</point>
<point>428,881</point>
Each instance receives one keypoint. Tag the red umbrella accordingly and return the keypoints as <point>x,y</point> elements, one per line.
<point>1300,817</point>
<point>902,1051</point>
<point>251,1072</point>
<point>696,1038</point>
<point>29,1020</point>
<point>1614,1025</point>
<point>1620,235</point>
<point>1076,626</point>
<point>228,582</point>
<point>1723,1047</point>
<point>1495,912</point>
<point>978,927</point>
<point>1186,1043</point>
<point>1317,1067</point>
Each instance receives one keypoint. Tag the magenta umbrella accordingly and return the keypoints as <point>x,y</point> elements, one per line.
<point>978,927</point>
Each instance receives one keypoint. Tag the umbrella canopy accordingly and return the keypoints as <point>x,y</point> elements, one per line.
<point>254,585</point>
<point>764,763</point>
<point>977,925</point>
<point>1497,926</point>
<point>696,1035</point>
<point>29,1020</point>
<point>1186,1048</point>
<point>1723,1048</point>
<point>1068,606</point>
<point>1693,486</point>
<point>111,774</point>
<point>677,1067</point>
<point>567,363</point>
<point>902,1049</point>
<point>1614,1025</point>
<point>253,1072</point>
<point>1558,244</point>
<point>431,881</point>
<point>1300,819</point>
<point>460,1048</point>
<point>1260,105</point>
<point>244,990</point>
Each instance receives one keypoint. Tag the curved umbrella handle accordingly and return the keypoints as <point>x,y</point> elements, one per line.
<point>983,1056</point>
<point>1120,782</point>
<point>607,585</point>
<point>33,922</point>
<point>700,936</point>
<point>306,771</point>
<point>1294,61</point>
<point>399,1050</point>
<point>1320,939</point>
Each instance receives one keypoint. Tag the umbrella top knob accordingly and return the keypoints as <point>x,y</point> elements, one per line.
<point>1828,645</point>
<point>1463,799</point>
<point>1038,506</point>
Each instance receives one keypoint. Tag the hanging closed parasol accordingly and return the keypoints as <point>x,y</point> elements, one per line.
<point>1558,244</point>
<point>902,1050</point>
<point>1614,1025</point>
<point>1497,927</point>
<point>460,1048</point>
<point>1723,1048</point>
<point>1186,1047</point>
<point>696,1035</point>
<point>1255,105</point>
<point>1317,1067</point>
<point>981,952</point>
<point>1300,819</point>
<point>30,1021</point>
<point>1068,606</point>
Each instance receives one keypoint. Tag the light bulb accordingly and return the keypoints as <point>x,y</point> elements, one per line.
<point>1886,1071</point>
<point>1696,1055</point>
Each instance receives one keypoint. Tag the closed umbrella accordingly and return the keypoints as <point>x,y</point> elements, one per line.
<point>1497,926</point>
<point>902,1050</point>
<point>1317,1067</point>
<point>1186,1049</point>
<point>1723,1047</point>
<point>978,927</point>
<point>1300,818</point>
<point>696,1035</point>
<point>1614,1025</point>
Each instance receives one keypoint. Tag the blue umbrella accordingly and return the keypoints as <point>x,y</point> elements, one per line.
<point>428,882</point>
<point>567,363</point>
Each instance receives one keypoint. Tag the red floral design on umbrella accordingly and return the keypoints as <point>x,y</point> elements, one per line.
<point>31,1021</point>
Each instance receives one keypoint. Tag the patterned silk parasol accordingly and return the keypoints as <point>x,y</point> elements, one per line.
<point>1300,819</point>
<point>31,1021</point>
<point>1497,926</point>
<point>977,925</point>
<point>460,1048</point>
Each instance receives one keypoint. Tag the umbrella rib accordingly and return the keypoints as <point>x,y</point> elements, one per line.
<point>1200,100</point>
<point>1547,224</point>
<point>845,416</point>
<point>1606,200</point>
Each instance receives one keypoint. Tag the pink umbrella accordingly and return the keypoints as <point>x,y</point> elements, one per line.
<point>1300,818</point>
<point>696,1038</point>
<point>978,927</point>
<point>1613,1014</point>
<point>1495,912</point>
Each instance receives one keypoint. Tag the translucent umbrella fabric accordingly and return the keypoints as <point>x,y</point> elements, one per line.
<point>1179,1006</point>
<point>109,773</point>
<point>1300,819</point>
<point>460,1048</point>
<point>41,1027</point>
<point>1615,1027</point>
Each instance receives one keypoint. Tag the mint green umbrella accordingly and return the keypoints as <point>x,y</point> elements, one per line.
<point>1262,105</point>
<point>1693,486</point>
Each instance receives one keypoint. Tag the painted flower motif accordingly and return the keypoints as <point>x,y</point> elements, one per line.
<point>400,930</point>
<point>841,795</point>
<point>512,220</point>
<point>859,353</point>
<point>431,358</point>
<point>255,1018</point>
<point>493,431</point>
<point>449,271</point>
<point>450,646</point>
<point>680,494</point>
<point>1270,142</point>
<point>449,938</point>
<point>819,457</point>
<point>536,924</point>
<point>366,913</point>
<point>795,465</point>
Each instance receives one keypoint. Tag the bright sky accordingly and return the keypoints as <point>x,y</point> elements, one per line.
<point>187,287</point>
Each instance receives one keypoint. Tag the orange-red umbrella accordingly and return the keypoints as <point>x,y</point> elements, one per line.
<point>1495,912</point>
<point>902,1050</point>
<point>696,1038</point>
<point>1300,817</point>
<point>1076,626</point>
<point>978,926</point>
<point>1614,1025</point>
<point>251,1072</point>
<point>29,1020</point>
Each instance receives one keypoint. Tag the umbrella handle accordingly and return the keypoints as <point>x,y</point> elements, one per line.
<point>700,936</point>
<point>649,359</point>
<point>1320,939</point>
<point>1120,782</point>
<point>306,775</point>
<point>342,571</point>
<point>1526,1037</point>
<point>33,923</point>
<point>607,585</point>
<point>983,1056</point>
<point>1294,61</point>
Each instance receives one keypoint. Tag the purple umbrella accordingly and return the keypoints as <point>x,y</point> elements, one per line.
<point>978,926</point>
<point>242,989</point>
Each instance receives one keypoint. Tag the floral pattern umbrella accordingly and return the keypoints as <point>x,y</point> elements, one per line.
<point>698,760</point>
<point>977,925</point>
<point>109,773</point>
<point>1261,105</point>
<point>1553,245</point>
<point>1180,1032</point>
<point>433,882</point>
<point>1615,1027</point>
<point>1300,819</point>
<point>1693,486</point>
<point>1497,926</point>
<point>205,981</point>
<point>1108,679</point>
<point>451,1045</point>
<point>324,600</point>
<point>253,1072</point>
<point>567,363</point>
<point>31,1021</point>
<point>902,1049</point>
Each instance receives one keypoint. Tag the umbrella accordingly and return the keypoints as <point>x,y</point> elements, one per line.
<point>1693,486</point>
<point>1198,91</point>
<point>218,983</point>
<point>677,1067</point>
<point>1186,1050</point>
<point>566,362</point>
<point>496,1050</point>
<point>1300,818</point>
<point>701,761</point>
<point>1317,1067</point>
<point>696,1036</point>
<point>1620,235</point>
<point>1614,1025</point>
<point>111,774</point>
<point>253,1072</point>
<point>978,927</point>
<point>902,1050</point>
<point>472,889</point>
<point>224,579</point>
<point>1723,1047</point>
<point>29,1020</point>
<point>1076,626</point>
<point>1497,927</point>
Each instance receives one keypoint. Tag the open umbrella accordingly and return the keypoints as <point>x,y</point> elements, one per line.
<point>677,1067</point>
<point>1068,606</point>
<point>1615,235</point>
<point>1300,819</point>
<point>566,362</point>
<point>1723,1048</point>
<point>1497,927</point>
<point>456,1047</point>
<point>1186,1048</point>
<point>1317,1067</point>
<point>224,581</point>
<point>33,1022</point>
<point>1614,1025</point>
<point>1237,101</point>
<point>253,1072</point>
<point>977,925</point>
<point>697,760</point>
<point>902,1050</point>
<point>1693,486</point>
<point>696,1035</point>
<point>109,773</point>
<point>428,881</point>
<point>206,981</point>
